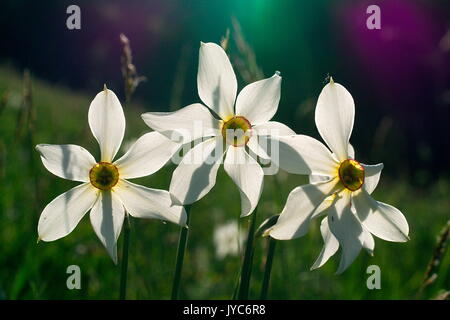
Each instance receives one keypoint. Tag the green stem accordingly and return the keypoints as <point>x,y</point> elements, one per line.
<point>246,271</point>
<point>236,286</point>
<point>268,268</point>
<point>182,242</point>
<point>124,272</point>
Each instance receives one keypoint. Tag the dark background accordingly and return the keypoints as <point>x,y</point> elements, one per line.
<point>399,75</point>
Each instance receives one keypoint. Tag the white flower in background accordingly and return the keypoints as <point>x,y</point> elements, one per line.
<point>340,186</point>
<point>228,239</point>
<point>226,126</point>
<point>104,189</point>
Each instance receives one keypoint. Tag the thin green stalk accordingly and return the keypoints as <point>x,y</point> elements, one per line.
<point>268,268</point>
<point>236,286</point>
<point>124,272</point>
<point>182,243</point>
<point>246,270</point>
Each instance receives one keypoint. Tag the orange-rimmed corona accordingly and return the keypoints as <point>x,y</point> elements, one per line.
<point>236,131</point>
<point>351,174</point>
<point>104,175</point>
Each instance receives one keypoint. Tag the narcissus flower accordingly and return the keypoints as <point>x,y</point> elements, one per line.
<point>228,239</point>
<point>227,127</point>
<point>340,186</point>
<point>105,190</point>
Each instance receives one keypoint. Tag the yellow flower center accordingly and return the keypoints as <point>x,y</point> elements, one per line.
<point>351,173</point>
<point>236,131</point>
<point>104,175</point>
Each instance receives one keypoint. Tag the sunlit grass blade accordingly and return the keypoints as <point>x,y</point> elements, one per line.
<point>432,272</point>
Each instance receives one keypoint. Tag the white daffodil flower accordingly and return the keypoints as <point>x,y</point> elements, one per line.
<point>226,127</point>
<point>228,239</point>
<point>104,189</point>
<point>339,188</point>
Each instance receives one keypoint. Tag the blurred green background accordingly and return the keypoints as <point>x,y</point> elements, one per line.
<point>399,77</point>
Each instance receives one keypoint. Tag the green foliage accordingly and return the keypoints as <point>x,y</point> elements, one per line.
<point>31,270</point>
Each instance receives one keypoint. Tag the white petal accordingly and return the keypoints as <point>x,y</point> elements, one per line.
<point>258,101</point>
<point>335,113</point>
<point>300,206</point>
<point>107,123</point>
<point>184,125</point>
<point>216,81</point>
<point>62,215</point>
<point>371,176</point>
<point>260,143</point>
<point>301,154</point>
<point>272,128</point>
<point>315,178</point>
<point>248,176</point>
<point>351,151</point>
<point>107,217</point>
<point>142,202</point>
<point>67,161</point>
<point>381,219</point>
<point>254,146</point>
<point>330,245</point>
<point>196,174</point>
<point>368,241</point>
<point>324,206</point>
<point>347,229</point>
<point>146,156</point>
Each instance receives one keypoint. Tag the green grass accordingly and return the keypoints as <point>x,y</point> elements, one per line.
<point>31,270</point>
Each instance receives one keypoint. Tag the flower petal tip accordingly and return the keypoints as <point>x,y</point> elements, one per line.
<point>405,238</point>
<point>339,272</point>
<point>369,252</point>
<point>266,233</point>
<point>39,147</point>
<point>271,233</point>
<point>113,256</point>
<point>246,214</point>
